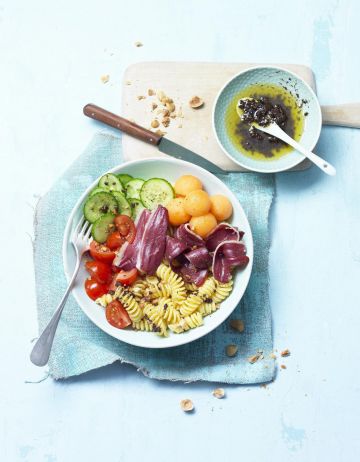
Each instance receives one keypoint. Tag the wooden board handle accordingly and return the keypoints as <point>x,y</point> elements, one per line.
<point>131,128</point>
<point>344,115</point>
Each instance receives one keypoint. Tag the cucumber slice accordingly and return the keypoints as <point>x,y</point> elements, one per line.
<point>123,204</point>
<point>124,178</point>
<point>156,191</point>
<point>99,204</point>
<point>110,182</point>
<point>97,190</point>
<point>133,188</point>
<point>136,207</point>
<point>102,227</point>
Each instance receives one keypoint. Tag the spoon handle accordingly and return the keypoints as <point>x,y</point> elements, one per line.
<point>321,163</point>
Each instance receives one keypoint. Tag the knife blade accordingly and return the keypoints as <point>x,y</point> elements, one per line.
<point>176,150</point>
<point>164,144</point>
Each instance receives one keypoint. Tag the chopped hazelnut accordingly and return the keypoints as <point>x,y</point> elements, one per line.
<point>186,405</point>
<point>151,92</point>
<point>283,366</point>
<point>231,350</point>
<point>140,97</point>
<point>166,121</point>
<point>285,352</point>
<point>237,324</point>
<point>170,107</point>
<point>219,393</point>
<point>155,123</point>
<point>138,44</point>
<point>196,102</point>
<point>105,78</point>
<point>160,95</point>
<point>153,106</point>
<point>254,358</point>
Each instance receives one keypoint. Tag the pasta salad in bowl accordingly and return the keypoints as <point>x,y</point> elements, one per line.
<point>171,254</point>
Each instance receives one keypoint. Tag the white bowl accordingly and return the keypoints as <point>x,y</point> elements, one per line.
<point>170,169</point>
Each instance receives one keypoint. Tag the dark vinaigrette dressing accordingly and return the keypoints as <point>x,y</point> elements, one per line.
<point>254,143</point>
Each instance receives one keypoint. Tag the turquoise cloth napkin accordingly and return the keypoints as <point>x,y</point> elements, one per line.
<point>80,346</point>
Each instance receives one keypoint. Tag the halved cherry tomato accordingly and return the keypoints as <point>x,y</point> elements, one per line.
<point>101,252</point>
<point>115,240</point>
<point>116,315</point>
<point>126,227</point>
<point>94,289</point>
<point>99,271</point>
<point>123,277</point>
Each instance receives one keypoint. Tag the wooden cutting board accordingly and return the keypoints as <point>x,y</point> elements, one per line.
<point>181,81</point>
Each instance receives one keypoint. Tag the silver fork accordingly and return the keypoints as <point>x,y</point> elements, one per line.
<point>80,239</point>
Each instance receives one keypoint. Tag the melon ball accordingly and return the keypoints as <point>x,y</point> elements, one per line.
<point>197,203</point>
<point>186,184</point>
<point>221,207</point>
<point>177,214</point>
<point>203,225</point>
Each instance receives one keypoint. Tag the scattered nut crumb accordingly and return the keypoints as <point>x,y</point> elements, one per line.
<point>160,132</point>
<point>273,356</point>
<point>231,350</point>
<point>155,123</point>
<point>168,100</point>
<point>160,95</point>
<point>170,107</point>
<point>186,405</point>
<point>263,385</point>
<point>254,358</point>
<point>285,352</point>
<point>173,116</point>
<point>151,92</point>
<point>128,82</point>
<point>166,121</point>
<point>237,324</point>
<point>283,366</point>
<point>153,106</point>
<point>138,44</point>
<point>140,97</point>
<point>105,78</point>
<point>219,393</point>
<point>196,102</point>
<point>166,112</point>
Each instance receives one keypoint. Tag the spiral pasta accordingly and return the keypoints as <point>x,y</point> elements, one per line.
<point>207,308</point>
<point>142,325</point>
<point>207,290</point>
<point>104,300</point>
<point>130,304</point>
<point>222,291</point>
<point>167,311</point>
<point>165,302</point>
<point>151,314</point>
<point>190,305</point>
<point>189,322</point>
<point>173,281</point>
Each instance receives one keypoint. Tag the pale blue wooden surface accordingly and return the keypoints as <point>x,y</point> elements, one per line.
<point>52,55</point>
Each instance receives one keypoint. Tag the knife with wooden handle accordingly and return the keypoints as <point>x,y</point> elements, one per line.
<point>165,145</point>
<point>343,115</point>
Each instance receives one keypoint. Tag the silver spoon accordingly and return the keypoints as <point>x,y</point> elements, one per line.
<point>274,130</point>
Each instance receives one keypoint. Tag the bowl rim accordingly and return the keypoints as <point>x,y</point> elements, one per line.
<point>261,170</point>
<point>177,339</point>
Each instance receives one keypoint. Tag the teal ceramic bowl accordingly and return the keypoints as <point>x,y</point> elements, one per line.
<point>275,76</point>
